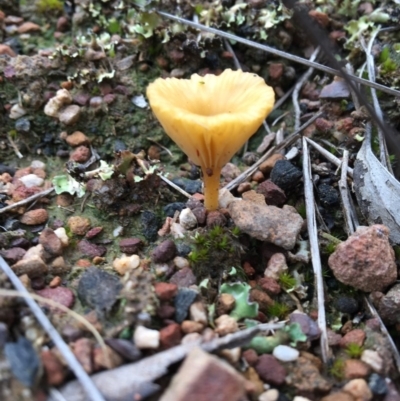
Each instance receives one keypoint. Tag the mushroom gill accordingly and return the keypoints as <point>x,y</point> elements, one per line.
<point>211,117</point>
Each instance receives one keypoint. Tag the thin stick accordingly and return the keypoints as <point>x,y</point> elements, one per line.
<point>14,146</point>
<point>27,200</point>
<point>230,50</point>
<point>297,88</point>
<point>92,392</point>
<point>179,189</point>
<point>161,146</point>
<point>314,247</point>
<point>329,156</point>
<point>344,193</point>
<point>279,53</point>
<point>383,152</point>
<point>287,142</point>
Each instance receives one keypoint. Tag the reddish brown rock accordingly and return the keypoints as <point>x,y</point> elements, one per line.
<point>28,27</point>
<point>91,250</point>
<point>130,246</point>
<point>165,311</point>
<point>250,356</point>
<point>269,285</point>
<point>356,336</point>
<point>170,335</point>
<point>13,255</point>
<point>165,291</point>
<point>82,349</point>
<point>34,217</point>
<point>50,242</point>
<point>106,358</point>
<point>215,218</point>
<point>365,260</point>
<point>323,125</point>
<point>273,194</point>
<point>53,368</point>
<point>210,379</point>
<point>275,70</point>
<point>81,154</point>
<point>354,369</point>
<point>270,370</point>
<point>320,17</point>
<point>164,251</point>
<point>93,232</point>
<point>263,299</point>
<point>183,278</point>
<point>61,295</point>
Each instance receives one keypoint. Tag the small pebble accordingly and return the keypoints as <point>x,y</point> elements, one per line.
<point>198,313</point>
<point>184,298</point>
<point>165,291</point>
<point>187,219</point>
<point>145,338</point>
<point>70,115</point>
<point>226,325</point>
<point>62,234</point>
<point>372,359</point>
<point>269,395</point>
<point>180,262</point>
<point>359,389</point>
<point>285,353</point>
<point>34,217</point>
<point>377,384</point>
<point>31,180</point>
<point>188,326</point>
<point>79,225</point>
<point>164,251</point>
<point>126,263</point>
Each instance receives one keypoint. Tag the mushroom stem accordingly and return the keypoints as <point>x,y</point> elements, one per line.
<point>211,188</point>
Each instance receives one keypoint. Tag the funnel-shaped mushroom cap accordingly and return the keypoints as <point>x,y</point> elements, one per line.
<point>211,117</point>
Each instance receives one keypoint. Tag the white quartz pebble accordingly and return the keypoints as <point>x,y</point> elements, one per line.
<point>31,180</point>
<point>285,353</point>
<point>62,234</point>
<point>187,219</point>
<point>145,338</point>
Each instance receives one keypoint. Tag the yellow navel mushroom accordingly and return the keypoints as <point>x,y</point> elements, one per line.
<point>211,117</point>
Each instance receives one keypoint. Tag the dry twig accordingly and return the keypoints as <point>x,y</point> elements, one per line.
<point>27,200</point>
<point>297,88</point>
<point>344,193</point>
<point>314,246</point>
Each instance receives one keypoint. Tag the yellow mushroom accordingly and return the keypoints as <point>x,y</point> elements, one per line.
<point>211,117</point>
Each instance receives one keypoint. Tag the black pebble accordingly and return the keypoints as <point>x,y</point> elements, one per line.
<point>171,208</point>
<point>150,225</point>
<point>328,195</point>
<point>189,186</point>
<point>184,298</point>
<point>99,289</point>
<point>346,304</point>
<point>285,175</point>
